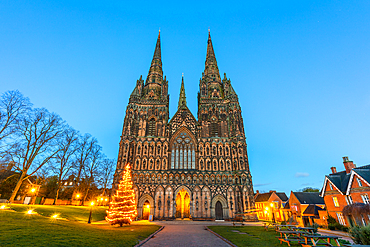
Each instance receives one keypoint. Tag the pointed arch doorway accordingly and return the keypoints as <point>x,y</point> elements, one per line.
<point>182,204</point>
<point>219,213</point>
<point>146,210</point>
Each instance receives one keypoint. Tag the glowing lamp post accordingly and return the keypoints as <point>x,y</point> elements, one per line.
<point>33,190</point>
<point>91,204</point>
<point>272,211</point>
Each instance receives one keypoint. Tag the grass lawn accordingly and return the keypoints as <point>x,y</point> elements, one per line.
<point>20,229</point>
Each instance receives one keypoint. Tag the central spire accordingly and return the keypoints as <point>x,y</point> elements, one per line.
<point>182,98</point>
<point>211,72</point>
<point>155,74</point>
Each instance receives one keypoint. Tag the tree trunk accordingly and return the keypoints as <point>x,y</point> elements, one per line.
<point>17,187</point>
<point>56,196</point>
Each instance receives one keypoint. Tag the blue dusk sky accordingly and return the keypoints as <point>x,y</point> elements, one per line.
<point>301,70</point>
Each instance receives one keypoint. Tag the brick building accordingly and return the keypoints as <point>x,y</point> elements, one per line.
<point>345,188</point>
<point>269,205</point>
<point>305,207</point>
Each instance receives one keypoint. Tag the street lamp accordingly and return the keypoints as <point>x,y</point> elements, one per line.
<point>272,211</point>
<point>91,204</point>
<point>33,190</point>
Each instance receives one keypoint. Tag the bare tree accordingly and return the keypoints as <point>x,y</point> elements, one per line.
<point>67,147</point>
<point>84,149</point>
<point>106,173</point>
<point>91,168</point>
<point>13,105</point>
<point>37,143</point>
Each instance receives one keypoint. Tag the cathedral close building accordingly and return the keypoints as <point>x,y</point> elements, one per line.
<point>185,167</point>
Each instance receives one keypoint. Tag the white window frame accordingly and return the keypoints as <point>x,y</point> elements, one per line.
<point>330,186</point>
<point>340,218</point>
<point>365,198</point>
<point>359,182</point>
<point>349,200</point>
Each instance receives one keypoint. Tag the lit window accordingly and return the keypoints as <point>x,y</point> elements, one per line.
<point>365,198</point>
<point>65,183</point>
<point>359,182</point>
<point>70,183</point>
<point>335,200</point>
<point>341,219</point>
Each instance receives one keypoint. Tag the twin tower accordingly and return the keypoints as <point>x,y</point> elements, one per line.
<point>185,167</point>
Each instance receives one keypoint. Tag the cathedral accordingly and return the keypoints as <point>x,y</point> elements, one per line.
<point>186,167</point>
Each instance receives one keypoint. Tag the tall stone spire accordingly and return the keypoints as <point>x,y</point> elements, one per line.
<point>155,74</point>
<point>182,98</point>
<point>211,72</point>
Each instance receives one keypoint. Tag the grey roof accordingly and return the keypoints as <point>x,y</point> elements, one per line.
<point>282,196</point>
<point>309,197</point>
<point>341,179</point>
<point>263,197</point>
<point>312,209</point>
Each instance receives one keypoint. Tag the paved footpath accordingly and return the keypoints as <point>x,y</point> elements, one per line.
<point>185,235</point>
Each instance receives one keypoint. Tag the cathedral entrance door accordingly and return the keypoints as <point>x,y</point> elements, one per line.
<point>182,204</point>
<point>219,213</point>
<point>146,210</point>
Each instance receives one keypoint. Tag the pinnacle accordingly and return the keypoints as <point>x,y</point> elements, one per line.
<point>211,72</point>
<point>155,74</point>
<point>182,98</point>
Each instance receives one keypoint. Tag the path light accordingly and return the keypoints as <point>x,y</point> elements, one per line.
<point>30,211</point>
<point>55,216</point>
<point>78,196</point>
<point>2,207</point>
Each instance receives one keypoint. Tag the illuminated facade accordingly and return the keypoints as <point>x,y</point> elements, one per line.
<point>184,167</point>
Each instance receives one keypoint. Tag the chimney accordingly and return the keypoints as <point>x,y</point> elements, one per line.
<point>348,164</point>
<point>272,191</point>
<point>257,191</point>
<point>333,169</point>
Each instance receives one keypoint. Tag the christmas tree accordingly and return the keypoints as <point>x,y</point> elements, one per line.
<point>122,209</point>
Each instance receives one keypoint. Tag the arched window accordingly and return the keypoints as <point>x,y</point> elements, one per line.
<point>183,152</point>
<point>151,127</point>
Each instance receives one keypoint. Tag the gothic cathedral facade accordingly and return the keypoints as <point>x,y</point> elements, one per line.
<point>183,167</point>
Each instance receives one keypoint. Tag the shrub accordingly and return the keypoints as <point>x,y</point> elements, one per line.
<point>360,234</point>
<point>331,220</point>
<point>283,222</point>
<point>337,226</point>
<point>331,226</point>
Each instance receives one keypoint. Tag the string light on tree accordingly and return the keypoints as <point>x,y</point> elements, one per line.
<point>122,208</point>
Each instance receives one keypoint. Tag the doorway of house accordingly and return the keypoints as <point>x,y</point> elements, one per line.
<point>182,204</point>
<point>146,210</point>
<point>219,212</point>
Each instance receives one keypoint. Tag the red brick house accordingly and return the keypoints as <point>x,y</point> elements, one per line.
<point>270,205</point>
<point>306,206</point>
<point>345,188</point>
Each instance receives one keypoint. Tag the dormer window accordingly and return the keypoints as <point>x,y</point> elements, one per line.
<point>331,186</point>
<point>359,182</point>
